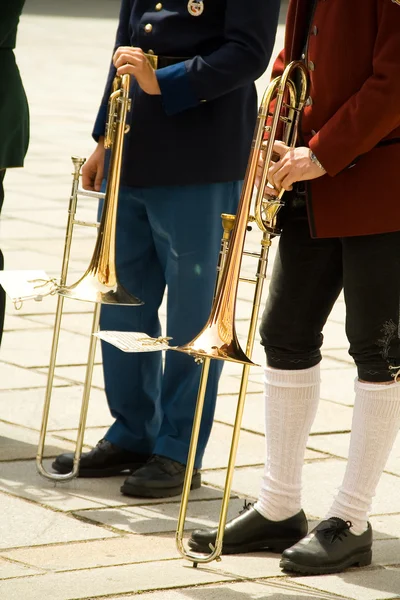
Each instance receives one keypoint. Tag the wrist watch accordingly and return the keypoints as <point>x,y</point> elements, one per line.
<point>315,160</point>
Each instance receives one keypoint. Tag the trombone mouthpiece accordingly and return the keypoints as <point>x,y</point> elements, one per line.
<point>78,163</point>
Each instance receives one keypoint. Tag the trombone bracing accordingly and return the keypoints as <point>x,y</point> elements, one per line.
<point>100,283</point>
<point>218,338</point>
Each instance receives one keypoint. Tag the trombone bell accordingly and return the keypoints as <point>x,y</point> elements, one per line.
<point>210,343</point>
<point>91,289</point>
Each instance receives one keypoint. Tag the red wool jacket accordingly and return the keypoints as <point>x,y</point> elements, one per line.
<point>353,115</point>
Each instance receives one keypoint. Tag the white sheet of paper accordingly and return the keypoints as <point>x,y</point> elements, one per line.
<point>26,285</point>
<point>128,341</point>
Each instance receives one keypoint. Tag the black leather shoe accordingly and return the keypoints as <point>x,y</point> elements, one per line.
<point>105,460</point>
<point>329,548</point>
<point>160,477</point>
<point>251,532</point>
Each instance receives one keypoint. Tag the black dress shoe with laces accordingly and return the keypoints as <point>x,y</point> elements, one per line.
<point>160,477</point>
<point>251,532</point>
<point>105,460</point>
<point>330,548</point>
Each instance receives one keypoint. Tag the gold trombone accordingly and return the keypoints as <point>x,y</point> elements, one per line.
<point>100,283</point>
<point>218,339</point>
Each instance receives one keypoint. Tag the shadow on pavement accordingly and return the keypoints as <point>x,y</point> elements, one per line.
<point>260,590</point>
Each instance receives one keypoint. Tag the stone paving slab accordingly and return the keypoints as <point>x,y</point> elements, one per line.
<point>22,348</point>
<point>229,386</point>
<point>386,552</point>
<point>338,385</point>
<point>21,479</point>
<point>334,336</point>
<point>322,476</point>
<point>32,259</point>
<point>80,323</point>
<point>360,584</point>
<point>251,449</point>
<point>24,407</point>
<point>77,374</point>
<point>82,245</point>
<point>19,201</point>
<point>29,525</point>
<point>19,443</point>
<point>14,377</point>
<point>338,444</point>
<point>271,589</point>
<point>110,580</point>
<point>385,526</point>
<point>81,252</point>
<point>17,229</point>
<point>15,322</point>
<point>126,549</point>
<point>340,354</point>
<point>160,518</point>
<point>330,416</point>
<point>53,216</point>
<point>133,549</point>
<point>9,570</point>
<point>338,313</point>
<point>92,435</point>
<point>248,566</point>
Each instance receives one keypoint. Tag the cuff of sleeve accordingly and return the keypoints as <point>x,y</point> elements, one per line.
<point>99,128</point>
<point>176,90</point>
<point>329,155</point>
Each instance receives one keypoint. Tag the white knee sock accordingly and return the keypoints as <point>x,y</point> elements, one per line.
<point>376,423</point>
<point>291,401</point>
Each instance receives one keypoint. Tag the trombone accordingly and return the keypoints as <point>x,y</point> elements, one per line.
<point>218,339</point>
<point>99,284</point>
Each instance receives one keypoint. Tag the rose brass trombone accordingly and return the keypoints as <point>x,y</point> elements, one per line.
<point>100,283</point>
<point>218,338</point>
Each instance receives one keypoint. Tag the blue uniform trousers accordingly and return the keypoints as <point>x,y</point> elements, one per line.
<point>166,236</point>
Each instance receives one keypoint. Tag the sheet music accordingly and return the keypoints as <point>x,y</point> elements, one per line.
<point>128,341</point>
<point>26,285</point>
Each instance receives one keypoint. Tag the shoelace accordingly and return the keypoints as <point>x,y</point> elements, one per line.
<point>335,529</point>
<point>246,506</point>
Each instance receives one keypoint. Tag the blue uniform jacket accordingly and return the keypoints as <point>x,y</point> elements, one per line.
<point>200,129</point>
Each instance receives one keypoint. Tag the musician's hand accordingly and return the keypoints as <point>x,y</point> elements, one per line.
<point>133,61</point>
<point>293,165</point>
<point>260,169</point>
<point>93,169</point>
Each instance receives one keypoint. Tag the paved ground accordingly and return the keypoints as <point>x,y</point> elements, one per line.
<point>83,539</point>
